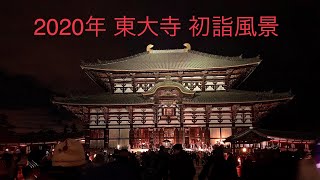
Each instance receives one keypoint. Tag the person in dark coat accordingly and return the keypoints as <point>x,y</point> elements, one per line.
<point>231,167</point>
<point>215,168</point>
<point>150,166</point>
<point>247,171</point>
<point>122,168</point>
<point>7,164</point>
<point>163,163</point>
<point>181,166</point>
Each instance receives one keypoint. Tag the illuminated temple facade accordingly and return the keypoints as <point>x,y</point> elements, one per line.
<point>177,96</point>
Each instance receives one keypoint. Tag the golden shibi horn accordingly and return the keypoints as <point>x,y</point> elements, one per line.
<point>188,46</point>
<point>149,47</point>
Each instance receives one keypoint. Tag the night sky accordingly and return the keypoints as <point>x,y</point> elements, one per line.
<point>35,68</point>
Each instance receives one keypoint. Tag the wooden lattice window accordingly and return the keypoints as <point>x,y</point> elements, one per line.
<point>97,133</point>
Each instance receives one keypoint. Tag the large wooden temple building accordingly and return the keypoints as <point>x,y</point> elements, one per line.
<point>176,95</point>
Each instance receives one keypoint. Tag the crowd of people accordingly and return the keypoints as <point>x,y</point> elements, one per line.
<point>69,160</point>
<point>8,164</point>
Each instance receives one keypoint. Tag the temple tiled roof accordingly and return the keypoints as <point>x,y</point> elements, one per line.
<point>29,120</point>
<point>103,99</point>
<point>234,96</point>
<point>174,59</point>
<point>251,135</point>
<point>238,96</point>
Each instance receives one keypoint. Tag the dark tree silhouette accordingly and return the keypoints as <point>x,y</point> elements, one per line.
<point>4,122</point>
<point>66,127</point>
<point>74,128</point>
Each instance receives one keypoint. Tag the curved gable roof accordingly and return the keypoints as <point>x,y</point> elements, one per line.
<point>168,83</point>
<point>174,59</point>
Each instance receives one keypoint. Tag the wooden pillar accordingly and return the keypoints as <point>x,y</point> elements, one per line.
<point>156,135</point>
<point>207,129</point>
<point>106,132</point>
<point>161,136</point>
<point>187,143</point>
<point>87,135</point>
<point>203,83</point>
<point>156,77</point>
<point>180,76</point>
<point>155,115</point>
<point>203,135</point>
<point>86,120</point>
<point>134,85</point>
<point>176,136</point>
<point>182,137</point>
<point>111,83</point>
<point>234,109</point>
<point>131,131</point>
<point>255,112</point>
<point>151,138</point>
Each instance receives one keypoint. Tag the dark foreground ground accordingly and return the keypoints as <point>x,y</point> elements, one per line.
<point>307,170</point>
<point>304,169</point>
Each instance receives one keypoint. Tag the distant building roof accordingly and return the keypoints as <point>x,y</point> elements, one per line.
<point>233,96</point>
<point>249,136</point>
<point>290,134</point>
<point>173,59</point>
<point>255,135</point>
<point>33,120</point>
<point>7,136</point>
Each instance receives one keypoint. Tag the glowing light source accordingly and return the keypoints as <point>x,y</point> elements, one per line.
<point>139,150</point>
<point>221,141</point>
<point>244,150</point>
<point>118,146</point>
